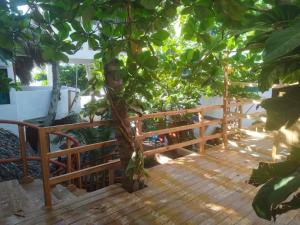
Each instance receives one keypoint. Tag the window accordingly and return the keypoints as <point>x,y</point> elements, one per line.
<point>4,93</point>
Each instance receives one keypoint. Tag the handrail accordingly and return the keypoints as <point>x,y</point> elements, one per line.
<point>31,158</point>
<point>22,143</point>
<point>201,108</point>
<point>76,149</point>
<point>19,123</point>
<point>74,126</point>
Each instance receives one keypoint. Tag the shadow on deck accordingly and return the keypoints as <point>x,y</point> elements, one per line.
<point>194,189</point>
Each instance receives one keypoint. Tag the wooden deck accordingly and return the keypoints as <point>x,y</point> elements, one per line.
<point>194,189</point>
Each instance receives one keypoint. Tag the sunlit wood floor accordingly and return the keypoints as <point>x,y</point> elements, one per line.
<point>194,189</point>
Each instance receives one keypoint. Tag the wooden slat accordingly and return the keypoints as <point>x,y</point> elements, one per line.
<point>22,147</point>
<point>84,172</point>
<point>203,108</point>
<point>44,148</point>
<point>78,126</point>
<point>234,116</point>
<point>81,149</point>
<point>202,132</point>
<point>191,190</point>
<point>180,128</point>
<point>182,144</point>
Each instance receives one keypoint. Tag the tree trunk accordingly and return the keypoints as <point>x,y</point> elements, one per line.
<point>114,86</point>
<point>55,95</point>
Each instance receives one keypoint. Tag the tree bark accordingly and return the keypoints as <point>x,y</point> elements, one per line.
<point>114,86</point>
<point>55,95</point>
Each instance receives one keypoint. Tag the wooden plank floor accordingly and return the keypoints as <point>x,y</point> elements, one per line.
<point>194,189</point>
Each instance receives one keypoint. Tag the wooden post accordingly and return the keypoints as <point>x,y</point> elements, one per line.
<point>44,149</point>
<point>225,106</point>
<point>22,148</point>
<point>69,165</point>
<point>78,162</point>
<point>139,128</point>
<point>240,109</point>
<point>111,176</point>
<point>201,133</point>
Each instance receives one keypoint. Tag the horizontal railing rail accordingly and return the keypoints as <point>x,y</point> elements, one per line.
<point>22,147</point>
<point>75,149</point>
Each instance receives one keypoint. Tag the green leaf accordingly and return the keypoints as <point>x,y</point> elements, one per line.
<point>98,55</point>
<point>159,37</point>
<point>93,44</point>
<point>145,59</point>
<point>274,192</point>
<point>282,42</point>
<point>149,4</point>
<point>78,37</point>
<point>63,30</point>
<point>77,26</point>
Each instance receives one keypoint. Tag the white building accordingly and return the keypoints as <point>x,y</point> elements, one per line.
<point>32,102</point>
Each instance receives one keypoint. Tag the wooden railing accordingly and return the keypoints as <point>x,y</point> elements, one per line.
<point>200,125</point>
<point>23,157</point>
<point>69,153</point>
<point>74,150</point>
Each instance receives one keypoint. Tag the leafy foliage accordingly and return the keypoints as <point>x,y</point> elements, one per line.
<point>163,54</point>
<point>33,36</point>
<point>276,31</point>
<point>67,76</point>
<point>283,110</point>
<point>7,83</point>
<point>280,181</point>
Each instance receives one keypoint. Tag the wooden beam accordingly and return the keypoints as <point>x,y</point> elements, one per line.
<point>225,105</point>
<point>181,145</point>
<point>203,108</point>
<point>81,149</point>
<point>78,126</point>
<point>201,132</point>
<point>177,129</point>
<point>43,138</point>
<point>86,171</point>
<point>22,147</point>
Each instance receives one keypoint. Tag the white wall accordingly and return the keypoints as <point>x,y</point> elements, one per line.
<point>248,108</point>
<point>33,102</point>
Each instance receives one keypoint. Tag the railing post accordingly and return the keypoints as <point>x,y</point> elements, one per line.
<point>111,176</point>
<point>201,133</point>
<point>139,126</point>
<point>44,148</point>
<point>69,165</point>
<point>240,109</point>
<point>78,162</point>
<point>22,147</point>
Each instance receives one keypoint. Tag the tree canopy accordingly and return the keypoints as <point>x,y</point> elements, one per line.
<point>160,55</point>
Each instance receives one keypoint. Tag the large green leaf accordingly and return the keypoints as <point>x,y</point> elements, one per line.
<point>159,37</point>
<point>274,192</point>
<point>280,180</point>
<point>267,171</point>
<point>146,60</point>
<point>282,42</point>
